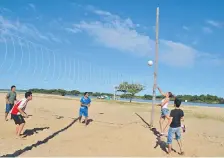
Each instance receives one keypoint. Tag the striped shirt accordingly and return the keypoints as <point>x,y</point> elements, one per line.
<point>21,105</point>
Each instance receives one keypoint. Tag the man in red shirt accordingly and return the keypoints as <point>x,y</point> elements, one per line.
<point>18,112</point>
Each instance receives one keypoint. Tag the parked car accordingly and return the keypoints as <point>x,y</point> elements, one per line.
<point>103,97</point>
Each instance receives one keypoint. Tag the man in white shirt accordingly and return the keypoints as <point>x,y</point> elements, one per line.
<point>18,112</point>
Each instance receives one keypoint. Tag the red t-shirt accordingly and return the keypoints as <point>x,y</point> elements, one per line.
<point>20,104</point>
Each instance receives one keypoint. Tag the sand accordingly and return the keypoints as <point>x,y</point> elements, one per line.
<point>116,129</point>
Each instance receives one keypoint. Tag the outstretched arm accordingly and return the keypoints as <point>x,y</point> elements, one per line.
<point>161,91</point>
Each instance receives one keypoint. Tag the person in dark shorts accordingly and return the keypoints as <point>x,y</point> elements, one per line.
<point>176,116</point>
<point>10,99</point>
<point>18,113</point>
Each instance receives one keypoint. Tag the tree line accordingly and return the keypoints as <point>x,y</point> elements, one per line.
<point>66,92</point>
<point>129,91</point>
<point>210,99</point>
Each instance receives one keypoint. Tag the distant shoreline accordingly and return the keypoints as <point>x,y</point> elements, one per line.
<point>190,104</point>
<point>135,100</point>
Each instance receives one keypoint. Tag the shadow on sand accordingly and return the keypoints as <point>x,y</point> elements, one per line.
<point>30,132</point>
<point>88,121</point>
<point>159,142</point>
<point>38,143</point>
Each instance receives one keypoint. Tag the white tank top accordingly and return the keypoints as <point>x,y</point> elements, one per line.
<point>166,105</point>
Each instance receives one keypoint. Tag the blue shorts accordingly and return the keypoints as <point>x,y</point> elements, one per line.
<point>164,112</point>
<point>8,108</point>
<point>83,111</point>
<point>171,132</point>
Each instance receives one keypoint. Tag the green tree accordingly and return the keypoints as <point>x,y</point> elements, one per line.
<point>75,92</point>
<point>148,97</point>
<point>131,89</point>
<point>96,94</point>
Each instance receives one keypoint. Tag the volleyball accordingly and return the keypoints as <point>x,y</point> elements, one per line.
<point>150,62</point>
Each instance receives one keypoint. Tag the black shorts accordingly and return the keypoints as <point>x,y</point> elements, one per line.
<point>18,119</point>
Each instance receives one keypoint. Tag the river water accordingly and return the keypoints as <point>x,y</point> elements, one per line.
<point>158,101</point>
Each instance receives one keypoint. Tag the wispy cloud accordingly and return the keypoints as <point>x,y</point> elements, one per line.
<point>177,54</point>
<point>121,34</point>
<point>73,30</point>
<point>101,12</point>
<point>54,38</point>
<point>6,24</point>
<point>32,6</point>
<point>117,37</point>
<point>67,41</point>
<point>207,30</point>
<point>17,27</point>
<point>215,23</point>
<point>5,10</point>
<point>116,33</point>
<point>186,28</point>
<point>195,42</point>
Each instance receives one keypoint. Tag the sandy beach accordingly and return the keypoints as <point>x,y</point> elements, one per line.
<point>115,129</point>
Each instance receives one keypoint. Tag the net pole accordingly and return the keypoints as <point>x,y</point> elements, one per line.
<point>155,67</point>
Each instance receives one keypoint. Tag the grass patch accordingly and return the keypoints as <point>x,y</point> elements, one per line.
<point>204,116</point>
<point>187,111</point>
<point>121,102</point>
<point>200,116</point>
<point>55,97</point>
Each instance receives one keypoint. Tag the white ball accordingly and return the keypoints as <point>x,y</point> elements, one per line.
<point>150,62</point>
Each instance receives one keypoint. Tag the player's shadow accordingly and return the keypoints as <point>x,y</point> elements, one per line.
<point>159,141</point>
<point>162,144</point>
<point>30,132</point>
<point>40,142</point>
<point>88,121</point>
<point>148,125</point>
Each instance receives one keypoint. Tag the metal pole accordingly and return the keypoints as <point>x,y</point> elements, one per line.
<point>155,66</point>
<point>114,92</point>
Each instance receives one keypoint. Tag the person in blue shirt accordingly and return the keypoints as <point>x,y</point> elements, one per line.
<point>85,104</point>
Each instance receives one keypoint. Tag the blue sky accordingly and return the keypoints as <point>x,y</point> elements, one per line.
<point>93,45</point>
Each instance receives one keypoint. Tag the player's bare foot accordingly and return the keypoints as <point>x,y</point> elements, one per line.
<point>162,134</point>
<point>18,137</point>
<point>21,137</point>
<point>169,155</point>
<point>181,153</point>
